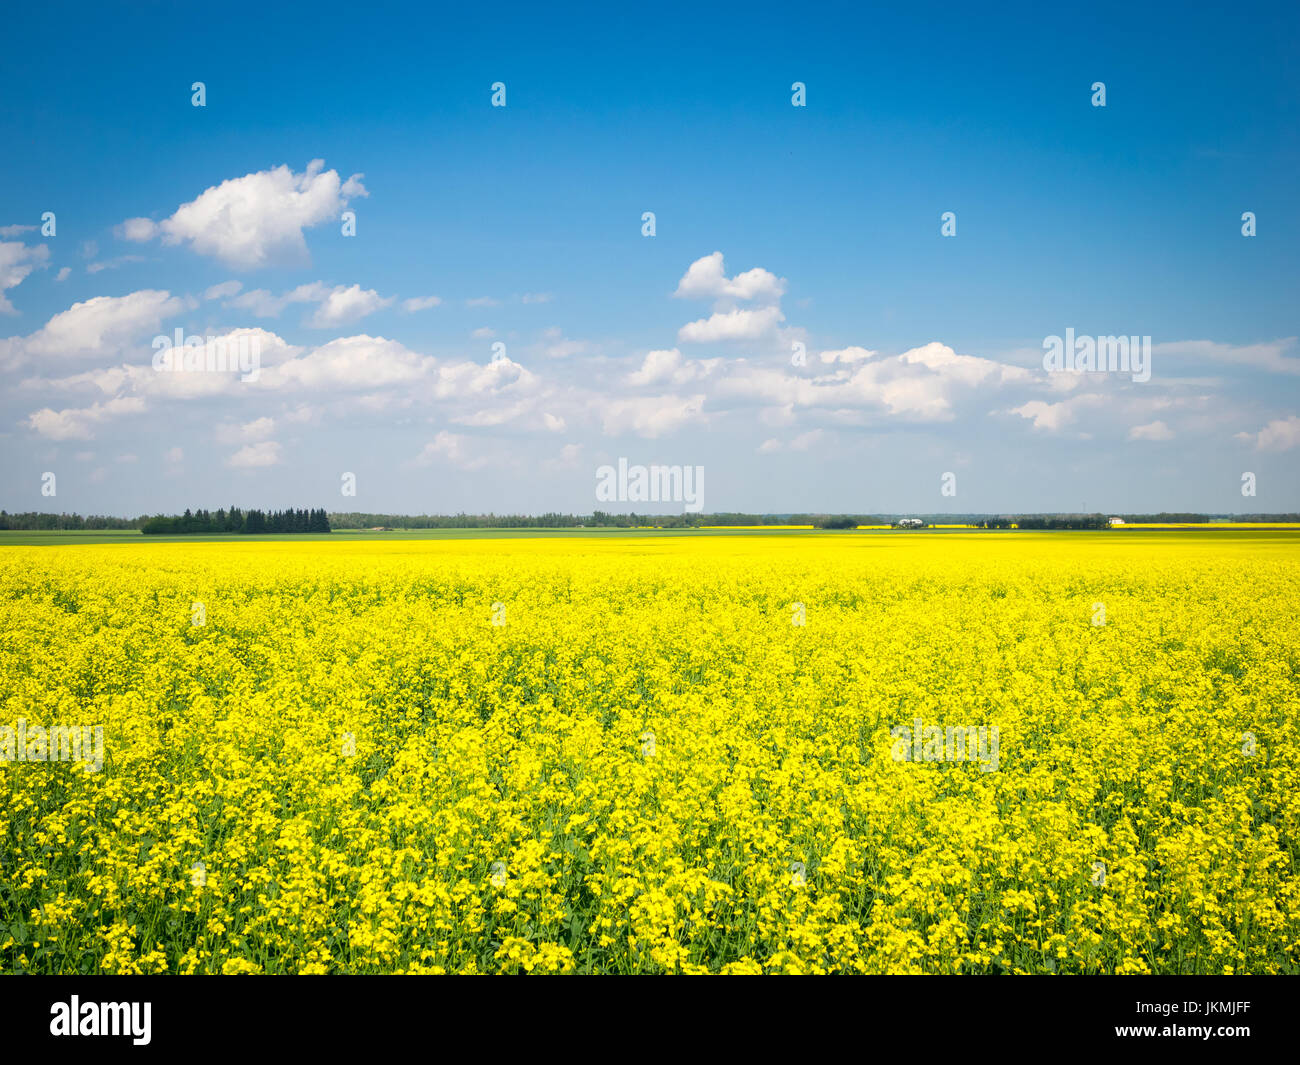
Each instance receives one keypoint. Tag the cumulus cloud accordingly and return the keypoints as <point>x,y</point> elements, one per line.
<point>104,325</point>
<point>657,366</point>
<point>1054,416</point>
<point>921,384</point>
<point>358,362</point>
<point>669,367</point>
<point>256,220</point>
<point>736,324</point>
<point>706,278</point>
<point>966,369</point>
<point>344,305</point>
<point>1156,430</point>
<point>1281,434</point>
<point>651,416</point>
<point>337,305</point>
<point>80,423</point>
<point>17,260</point>
<point>140,378</point>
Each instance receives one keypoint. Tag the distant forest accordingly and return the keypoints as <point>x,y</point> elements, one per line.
<point>235,520</point>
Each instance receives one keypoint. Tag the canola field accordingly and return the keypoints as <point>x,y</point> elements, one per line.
<point>653,754</point>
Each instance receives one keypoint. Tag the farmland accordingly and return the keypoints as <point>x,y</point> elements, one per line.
<point>653,752</point>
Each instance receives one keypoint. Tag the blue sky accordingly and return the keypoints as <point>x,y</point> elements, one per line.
<point>923,352</point>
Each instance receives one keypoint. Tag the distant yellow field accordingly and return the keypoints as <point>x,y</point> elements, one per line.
<point>971,753</point>
<point>1211,525</point>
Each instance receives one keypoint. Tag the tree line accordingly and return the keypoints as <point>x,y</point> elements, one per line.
<point>236,521</point>
<point>599,519</point>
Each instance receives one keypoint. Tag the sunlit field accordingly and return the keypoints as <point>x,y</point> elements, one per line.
<point>654,753</point>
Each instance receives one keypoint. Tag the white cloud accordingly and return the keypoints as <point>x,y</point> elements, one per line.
<point>14,231</point>
<point>1281,434</point>
<point>357,362</point>
<point>731,325</point>
<point>657,367</point>
<point>422,303</point>
<point>483,301</point>
<point>137,230</point>
<point>79,424</point>
<point>537,297</point>
<point>668,367</point>
<point>251,456</point>
<point>1054,416</point>
<point>802,442</point>
<point>223,291</point>
<point>651,416</point>
<point>472,380</point>
<point>706,279</point>
<point>967,369</point>
<point>1156,430</point>
<point>261,303</point>
<point>345,305</point>
<point>848,356</point>
<point>104,325</point>
<point>17,260</point>
<point>63,274</point>
<point>1277,356</point>
<point>249,432</point>
<point>561,348</point>
<point>448,448</point>
<point>337,305</point>
<point>256,220</point>
<point>920,384</point>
